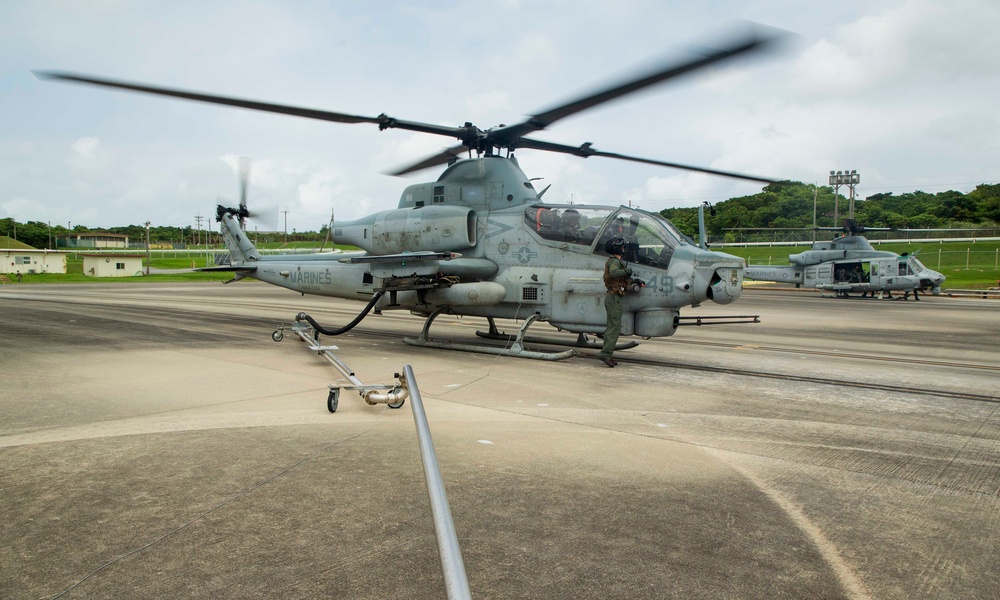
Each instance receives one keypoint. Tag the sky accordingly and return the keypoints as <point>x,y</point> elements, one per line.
<point>904,92</point>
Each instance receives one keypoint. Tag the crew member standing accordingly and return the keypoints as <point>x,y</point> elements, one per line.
<point>616,277</point>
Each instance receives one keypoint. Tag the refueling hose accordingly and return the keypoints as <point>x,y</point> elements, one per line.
<point>320,329</point>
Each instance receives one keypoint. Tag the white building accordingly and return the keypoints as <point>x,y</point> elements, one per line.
<point>92,239</point>
<point>112,265</point>
<point>32,261</point>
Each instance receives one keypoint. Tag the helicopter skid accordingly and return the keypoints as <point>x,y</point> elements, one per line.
<point>871,295</point>
<point>582,341</point>
<point>516,348</point>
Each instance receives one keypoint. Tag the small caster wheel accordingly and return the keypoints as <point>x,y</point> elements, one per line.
<point>333,400</point>
<point>277,335</point>
<point>396,404</point>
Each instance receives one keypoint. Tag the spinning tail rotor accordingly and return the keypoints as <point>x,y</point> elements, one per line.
<point>242,212</point>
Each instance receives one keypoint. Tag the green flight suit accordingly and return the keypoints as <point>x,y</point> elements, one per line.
<point>616,276</point>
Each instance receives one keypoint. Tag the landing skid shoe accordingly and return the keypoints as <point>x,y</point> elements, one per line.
<point>582,341</point>
<point>515,349</point>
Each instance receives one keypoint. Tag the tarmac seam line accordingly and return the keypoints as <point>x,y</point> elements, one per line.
<point>848,579</point>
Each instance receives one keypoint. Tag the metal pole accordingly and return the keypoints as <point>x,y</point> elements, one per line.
<point>836,204</point>
<point>815,194</point>
<point>452,567</point>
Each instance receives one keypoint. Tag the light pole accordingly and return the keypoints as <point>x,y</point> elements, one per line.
<point>815,196</point>
<point>147,248</point>
<point>838,178</point>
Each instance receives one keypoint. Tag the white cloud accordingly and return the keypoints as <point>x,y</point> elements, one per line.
<point>902,90</point>
<point>86,146</point>
<point>23,209</point>
<point>909,45</point>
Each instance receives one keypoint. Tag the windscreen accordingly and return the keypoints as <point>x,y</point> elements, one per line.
<point>649,239</point>
<point>915,265</point>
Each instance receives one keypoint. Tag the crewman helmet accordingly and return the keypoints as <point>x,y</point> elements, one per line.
<point>615,245</point>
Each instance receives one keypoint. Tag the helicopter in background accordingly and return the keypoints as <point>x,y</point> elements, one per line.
<point>480,241</point>
<point>849,264</point>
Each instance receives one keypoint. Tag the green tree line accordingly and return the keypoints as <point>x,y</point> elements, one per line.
<point>790,204</point>
<point>42,235</point>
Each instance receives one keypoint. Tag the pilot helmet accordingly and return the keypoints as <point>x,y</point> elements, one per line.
<point>615,245</point>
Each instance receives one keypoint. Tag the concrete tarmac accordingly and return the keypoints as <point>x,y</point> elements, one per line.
<point>155,442</point>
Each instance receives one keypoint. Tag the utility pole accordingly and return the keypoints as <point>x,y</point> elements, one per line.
<point>197,220</point>
<point>286,224</point>
<point>147,248</point>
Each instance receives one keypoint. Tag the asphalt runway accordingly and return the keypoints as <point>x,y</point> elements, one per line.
<point>155,442</point>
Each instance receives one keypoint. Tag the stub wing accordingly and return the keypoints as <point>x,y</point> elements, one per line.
<point>403,265</point>
<point>403,257</point>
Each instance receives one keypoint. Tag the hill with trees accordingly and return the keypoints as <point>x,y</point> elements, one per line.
<point>790,204</point>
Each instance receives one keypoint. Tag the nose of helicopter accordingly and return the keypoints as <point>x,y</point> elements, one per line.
<point>931,279</point>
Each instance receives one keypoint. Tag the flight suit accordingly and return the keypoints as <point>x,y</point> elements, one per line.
<point>616,277</point>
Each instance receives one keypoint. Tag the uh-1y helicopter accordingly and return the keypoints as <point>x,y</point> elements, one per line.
<point>480,241</point>
<point>849,264</point>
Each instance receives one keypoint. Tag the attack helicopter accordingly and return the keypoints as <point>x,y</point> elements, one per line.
<point>481,241</point>
<point>849,264</point>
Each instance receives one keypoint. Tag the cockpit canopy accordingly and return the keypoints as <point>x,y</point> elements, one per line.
<point>915,265</point>
<point>649,239</point>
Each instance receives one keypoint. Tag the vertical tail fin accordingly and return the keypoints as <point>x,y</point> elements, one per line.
<point>241,249</point>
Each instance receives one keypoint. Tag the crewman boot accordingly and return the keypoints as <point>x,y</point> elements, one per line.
<point>608,361</point>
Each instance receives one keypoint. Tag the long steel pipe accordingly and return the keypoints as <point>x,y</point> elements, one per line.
<point>452,566</point>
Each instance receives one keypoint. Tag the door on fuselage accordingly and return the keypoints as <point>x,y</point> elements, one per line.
<point>855,272</point>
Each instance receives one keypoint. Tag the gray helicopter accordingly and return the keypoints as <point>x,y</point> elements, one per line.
<point>849,264</point>
<point>480,241</point>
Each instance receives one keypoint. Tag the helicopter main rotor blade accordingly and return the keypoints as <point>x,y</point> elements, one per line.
<point>544,119</point>
<point>586,150</point>
<point>244,178</point>
<point>472,137</point>
<point>443,157</point>
<point>383,121</point>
